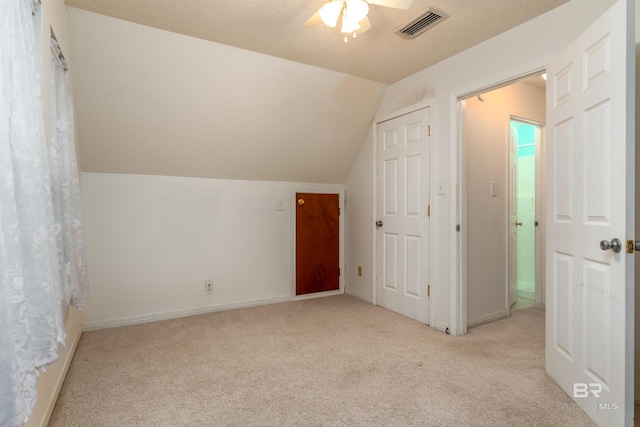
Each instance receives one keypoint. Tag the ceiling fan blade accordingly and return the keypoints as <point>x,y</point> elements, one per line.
<point>313,21</point>
<point>365,24</point>
<point>396,4</point>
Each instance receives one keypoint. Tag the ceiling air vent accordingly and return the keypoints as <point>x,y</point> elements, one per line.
<point>421,23</point>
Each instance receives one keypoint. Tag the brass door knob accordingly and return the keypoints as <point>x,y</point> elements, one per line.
<point>301,202</point>
<point>518,224</point>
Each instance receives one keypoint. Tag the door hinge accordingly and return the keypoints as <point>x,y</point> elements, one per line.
<point>339,273</point>
<point>428,290</point>
<point>429,130</point>
<point>429,210</point>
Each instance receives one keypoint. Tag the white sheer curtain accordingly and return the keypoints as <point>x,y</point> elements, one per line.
<point>66,185</point>
<point>31,298</point>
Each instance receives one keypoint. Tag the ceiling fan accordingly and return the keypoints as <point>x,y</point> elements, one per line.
<point>354,14</point>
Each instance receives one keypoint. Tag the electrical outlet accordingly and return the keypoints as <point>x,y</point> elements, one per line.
<point>208,285</point>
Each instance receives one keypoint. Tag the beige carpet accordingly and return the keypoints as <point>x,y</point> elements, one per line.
<point>325,362</point>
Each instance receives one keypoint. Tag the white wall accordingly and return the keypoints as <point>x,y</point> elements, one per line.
<point>487,155</point>
<point>516,52</point>
<point>160,103</point>
<point>152,241</point>
<point>359,224</point>
<point>53,14</point>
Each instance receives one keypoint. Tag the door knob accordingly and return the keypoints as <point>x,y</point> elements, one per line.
<point>615,245</point>
<point>378,224</point>
<point>301,202</point>
<point>518,224</point>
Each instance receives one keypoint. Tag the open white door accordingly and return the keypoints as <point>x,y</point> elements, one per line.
<point>513,215</point>
<point>590,172</point>
<point>403,221</point>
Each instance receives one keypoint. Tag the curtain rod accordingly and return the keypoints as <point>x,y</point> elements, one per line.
<point>55,47</point>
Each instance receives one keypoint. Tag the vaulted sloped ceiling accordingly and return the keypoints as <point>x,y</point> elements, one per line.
<point>154,102</point>
<point>239,89</point>
<point>275,27</point>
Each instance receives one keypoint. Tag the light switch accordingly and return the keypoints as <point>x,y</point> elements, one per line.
<point>441,187</point>
<point>493,191</point>
<point>279,205</point>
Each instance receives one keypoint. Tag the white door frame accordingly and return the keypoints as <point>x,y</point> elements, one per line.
<point>432,155</point>
<point>459,290</point>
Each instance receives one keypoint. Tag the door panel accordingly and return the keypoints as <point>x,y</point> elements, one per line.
<point>403,197</point>
<point>390,277</point>
<point>390,195</point>
<point>589,349</point>
<point>317,243</point>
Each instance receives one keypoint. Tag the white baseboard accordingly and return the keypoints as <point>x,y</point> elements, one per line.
<point>154,317</point>
<point>487,318</point>
<point>527,294</point>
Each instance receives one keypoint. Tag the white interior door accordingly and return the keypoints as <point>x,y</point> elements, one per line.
<point>513,214</point>
<point>403,224</point>
<point>590,170</point>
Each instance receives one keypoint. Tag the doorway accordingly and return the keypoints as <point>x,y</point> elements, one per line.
<point>492,220</point>
<point>524,269</point>
<point>317,243</point>
<point>589,177</point>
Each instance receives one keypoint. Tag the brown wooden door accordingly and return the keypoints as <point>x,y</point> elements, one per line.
<point>317,243</point>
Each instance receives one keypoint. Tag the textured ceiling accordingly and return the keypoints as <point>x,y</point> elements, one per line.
<point>275,27</point>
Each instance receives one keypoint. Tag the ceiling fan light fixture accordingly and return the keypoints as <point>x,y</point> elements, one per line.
<point>353,12</point>
<point>348,25</point>
<point>356,9</point>
<point>330,12</point>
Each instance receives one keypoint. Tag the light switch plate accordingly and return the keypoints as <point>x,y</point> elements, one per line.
<point>441,187</point>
